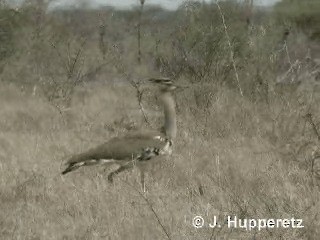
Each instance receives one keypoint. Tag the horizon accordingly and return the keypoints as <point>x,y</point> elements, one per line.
<point>125,4</point>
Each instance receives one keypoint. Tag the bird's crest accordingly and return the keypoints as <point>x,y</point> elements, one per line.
<point>166,84</point>
<point>164,81</point>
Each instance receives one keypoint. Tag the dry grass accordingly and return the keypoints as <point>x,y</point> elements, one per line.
<point>246,156</point>
<point>208,175</point>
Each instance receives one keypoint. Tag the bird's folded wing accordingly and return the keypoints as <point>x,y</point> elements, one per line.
<point>125,148</point>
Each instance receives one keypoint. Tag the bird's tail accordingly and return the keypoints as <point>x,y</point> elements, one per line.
<point>73,166</point>
<point>77,161</point>
<point>83,160</point>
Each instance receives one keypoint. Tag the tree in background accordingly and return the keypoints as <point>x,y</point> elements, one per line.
<point>304,15</point>
<point>9,23</point>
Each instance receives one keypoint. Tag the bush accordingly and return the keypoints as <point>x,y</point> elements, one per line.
<point>9,23</point>
<point>302,14</point>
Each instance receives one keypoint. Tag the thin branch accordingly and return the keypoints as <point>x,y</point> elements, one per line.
<point>58,53</point>
<point>120,67</point>
<point>287,52</point>
<point>139,97</point>
<point>72,65</point>
<point>230,47</point>
<point>151,208</point>
<point>139,30</point>
<point>308,117</point>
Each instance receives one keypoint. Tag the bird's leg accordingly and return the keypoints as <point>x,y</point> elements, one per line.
<point>142,177</point>
<point>117,171</point>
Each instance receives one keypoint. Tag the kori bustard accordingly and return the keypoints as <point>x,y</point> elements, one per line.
<point>138,148</point>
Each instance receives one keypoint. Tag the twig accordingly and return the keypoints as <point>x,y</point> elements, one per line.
<point>230,47</point>
<point>72,64</point>
<point>287,52</point>
<point>308,116</point>
<point>119,65</point>
<point>151,208</point>
<point>139,30</point>
<point>139,97</point>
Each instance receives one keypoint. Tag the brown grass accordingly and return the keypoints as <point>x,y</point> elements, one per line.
<point>246,156</point>
<point>208,175</point>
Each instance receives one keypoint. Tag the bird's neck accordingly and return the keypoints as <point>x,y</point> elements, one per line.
<point>170,124</point>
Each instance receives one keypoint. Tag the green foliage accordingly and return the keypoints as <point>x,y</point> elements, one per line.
<point>9,24</point>
<point>303,14</point>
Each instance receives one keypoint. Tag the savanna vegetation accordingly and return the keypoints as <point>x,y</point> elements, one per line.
<point>248,119</point>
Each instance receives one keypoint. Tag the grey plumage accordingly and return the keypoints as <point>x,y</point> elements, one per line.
<point>137,147</point>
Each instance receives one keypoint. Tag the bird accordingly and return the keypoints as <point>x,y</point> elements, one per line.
<point>135,149</point>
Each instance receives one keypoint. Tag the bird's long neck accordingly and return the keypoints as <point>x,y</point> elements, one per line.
<point>170,124</point>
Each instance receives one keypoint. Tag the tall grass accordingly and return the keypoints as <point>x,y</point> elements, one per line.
<point>247,156</point>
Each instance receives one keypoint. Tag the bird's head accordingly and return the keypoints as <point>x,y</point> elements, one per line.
<point>165,84</point>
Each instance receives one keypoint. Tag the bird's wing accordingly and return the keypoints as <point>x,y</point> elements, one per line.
<point>121,148</point>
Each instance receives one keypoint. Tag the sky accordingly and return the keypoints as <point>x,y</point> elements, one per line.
<point>169,4</point>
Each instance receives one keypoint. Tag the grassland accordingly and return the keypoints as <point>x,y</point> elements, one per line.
<point>248,156</point>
